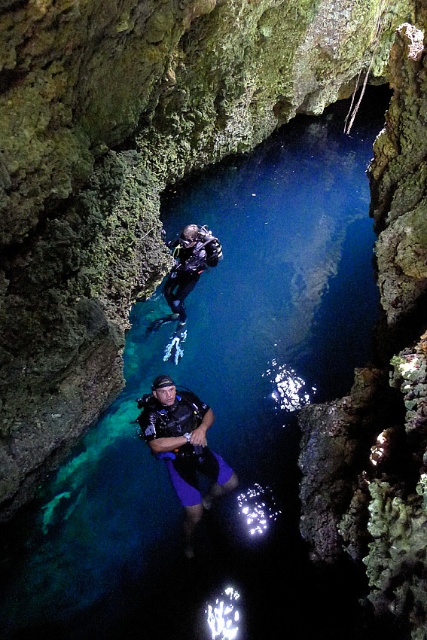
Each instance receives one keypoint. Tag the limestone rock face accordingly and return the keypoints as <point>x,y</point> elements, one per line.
<point>335,445</point>
<point>398,177</point>
<point>396,559</point>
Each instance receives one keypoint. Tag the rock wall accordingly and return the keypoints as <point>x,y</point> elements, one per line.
<point>368,502</point>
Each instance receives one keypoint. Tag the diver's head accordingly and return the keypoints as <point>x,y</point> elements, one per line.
<point>189,235</point>
<point>164,390</point>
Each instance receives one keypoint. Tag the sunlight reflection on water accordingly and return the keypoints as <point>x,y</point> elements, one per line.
<point>257,506</point>
<point>290,390</point>
<point>223,615</point>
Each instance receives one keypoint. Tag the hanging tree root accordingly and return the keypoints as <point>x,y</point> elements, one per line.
<point>352,112</point>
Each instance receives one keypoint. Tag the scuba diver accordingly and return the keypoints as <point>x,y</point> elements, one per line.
<point>194,251</point>
<point>174,425</point>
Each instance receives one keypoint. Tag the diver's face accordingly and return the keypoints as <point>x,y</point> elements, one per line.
<point>166,395</point>
<point>187,243</point>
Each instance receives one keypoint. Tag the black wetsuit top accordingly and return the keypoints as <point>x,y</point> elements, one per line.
<point>191,259</point>
<point>159,421</point>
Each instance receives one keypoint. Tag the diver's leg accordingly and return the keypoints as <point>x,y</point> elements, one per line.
<point>226,479</point>
<point>192,517</point>
<point>185,287</point>
<point>184,482</point>
<point>218,490</point>
<point>179,308</point>
<point>174,298</point>
<point>168,292</point>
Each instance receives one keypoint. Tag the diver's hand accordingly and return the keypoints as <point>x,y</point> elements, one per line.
<point>198,437</point>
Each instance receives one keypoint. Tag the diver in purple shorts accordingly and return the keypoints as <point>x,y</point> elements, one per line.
<point>174,425</point>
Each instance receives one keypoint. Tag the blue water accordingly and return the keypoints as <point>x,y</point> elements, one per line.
<point>282,321</point>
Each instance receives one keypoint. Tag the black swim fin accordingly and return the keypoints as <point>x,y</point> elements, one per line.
<point>156,324</point>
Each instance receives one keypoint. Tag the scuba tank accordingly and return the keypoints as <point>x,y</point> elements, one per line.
<point>211,245</point>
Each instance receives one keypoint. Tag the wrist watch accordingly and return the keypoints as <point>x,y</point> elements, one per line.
<point>187,436</point>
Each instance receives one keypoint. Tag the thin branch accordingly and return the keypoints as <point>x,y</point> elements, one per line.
<point>347,129</point>
<point>353,95</point>
<point>352,112</point>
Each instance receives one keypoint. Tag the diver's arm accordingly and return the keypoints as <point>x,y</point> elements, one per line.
<point>198,436</point>
<point>161,445</point>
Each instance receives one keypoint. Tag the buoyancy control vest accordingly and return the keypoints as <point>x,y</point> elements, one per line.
<point>157,421</point>
<point>206,252</point>
<point>166,422</point>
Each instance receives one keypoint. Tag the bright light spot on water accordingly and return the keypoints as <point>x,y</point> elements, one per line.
<point>290,390</point>
<point>223,615</point>
<point>257,507</point>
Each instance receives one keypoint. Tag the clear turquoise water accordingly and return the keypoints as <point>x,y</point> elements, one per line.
<point>282,321</point>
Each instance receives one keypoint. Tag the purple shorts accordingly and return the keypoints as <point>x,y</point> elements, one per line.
<point>184,476</point>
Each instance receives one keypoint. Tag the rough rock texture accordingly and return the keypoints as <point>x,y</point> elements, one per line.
<point>101,105</point>
<point>335,444</point>
<point>398,178</point>
<point>380,516</point>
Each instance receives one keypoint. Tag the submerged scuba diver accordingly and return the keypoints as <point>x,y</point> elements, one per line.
<point>174,425</point>
<point>194,251</point>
